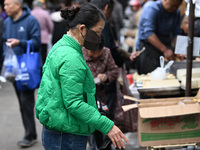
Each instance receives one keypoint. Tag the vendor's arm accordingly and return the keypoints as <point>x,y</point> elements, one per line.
<point>168,53</point>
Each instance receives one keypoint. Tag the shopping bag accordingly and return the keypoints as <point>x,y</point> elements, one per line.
<point>29,66</point>
<point>10,69</point>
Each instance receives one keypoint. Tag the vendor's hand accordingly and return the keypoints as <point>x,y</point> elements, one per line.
<point>116,136</point>
<point>102,77</point>
<point>13,42</point>
<point>180,57</point>
<point>134,55</point>
<point>169,54</point>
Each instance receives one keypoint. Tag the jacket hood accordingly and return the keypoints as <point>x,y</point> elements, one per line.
<point>26,12</point>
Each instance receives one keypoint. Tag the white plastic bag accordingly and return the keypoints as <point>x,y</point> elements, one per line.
<point>160,72</point>
<point>10,69</point>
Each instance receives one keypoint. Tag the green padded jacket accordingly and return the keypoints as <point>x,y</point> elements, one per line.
<point>66,96</point>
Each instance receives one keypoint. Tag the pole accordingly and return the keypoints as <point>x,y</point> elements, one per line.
<point>190,49</point>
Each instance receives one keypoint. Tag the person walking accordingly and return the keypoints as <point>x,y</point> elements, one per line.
<point>46,25</point>
<point>19,27</point>
<point>66,103</point>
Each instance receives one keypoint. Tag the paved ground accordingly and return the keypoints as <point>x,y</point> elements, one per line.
<point>11,128</point>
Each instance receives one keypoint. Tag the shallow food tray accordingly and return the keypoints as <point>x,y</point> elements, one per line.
<point>158,89</point>
<point>184,88</point>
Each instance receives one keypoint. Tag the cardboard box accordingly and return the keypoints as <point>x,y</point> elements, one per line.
<point>168,121</point>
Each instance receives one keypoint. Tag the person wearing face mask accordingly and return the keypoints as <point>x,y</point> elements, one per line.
<point>66,103</point>
<point>158,28</point>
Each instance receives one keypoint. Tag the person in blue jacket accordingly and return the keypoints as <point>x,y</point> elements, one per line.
<point>159,26</point>
<point>19,27</point>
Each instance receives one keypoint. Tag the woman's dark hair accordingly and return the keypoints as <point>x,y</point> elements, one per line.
<point>88,14</point>
<point>80,2</point>
<point>101,4</point>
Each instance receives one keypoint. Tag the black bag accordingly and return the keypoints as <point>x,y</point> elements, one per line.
<point>101,139</point>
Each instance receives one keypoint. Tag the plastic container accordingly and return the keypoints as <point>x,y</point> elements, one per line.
<point>130,78</point>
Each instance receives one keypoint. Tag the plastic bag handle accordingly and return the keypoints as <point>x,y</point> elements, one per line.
<point>29,46</point>
<point>168,65</point>
<point>162,61</point>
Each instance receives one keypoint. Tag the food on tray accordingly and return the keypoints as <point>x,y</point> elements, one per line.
<point>195,82</point>
<point>161,83</point>
<point>147,77</point>
<point>181,73</point>
<point>197,59</point>
<point>197,97</point>
<point>142,77</point>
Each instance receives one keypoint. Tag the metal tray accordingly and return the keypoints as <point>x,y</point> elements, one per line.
<point>183,88</point>
<point>138,84</point>
<point>158,89</point>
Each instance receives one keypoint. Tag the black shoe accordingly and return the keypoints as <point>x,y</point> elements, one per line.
<point>26,143</point>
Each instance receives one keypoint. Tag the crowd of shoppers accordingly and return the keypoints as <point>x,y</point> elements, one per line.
<point>87,43</point>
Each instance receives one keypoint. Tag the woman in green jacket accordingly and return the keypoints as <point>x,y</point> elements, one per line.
<point>66,97</point>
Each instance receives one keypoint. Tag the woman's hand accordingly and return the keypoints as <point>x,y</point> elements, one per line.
<point>102,77</point>
<point>116,136</point>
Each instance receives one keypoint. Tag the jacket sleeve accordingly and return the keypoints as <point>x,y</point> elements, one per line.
<point>149,21</point>
<point>72,76</point>
<point>33,34</point>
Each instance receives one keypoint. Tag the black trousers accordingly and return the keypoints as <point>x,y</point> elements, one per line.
<point>43,53</point>
<point>111,96</point>
<point>27,103</point>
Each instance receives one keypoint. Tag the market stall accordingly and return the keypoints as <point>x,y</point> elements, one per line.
<point>169,122</point>
<point>173,85</point>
